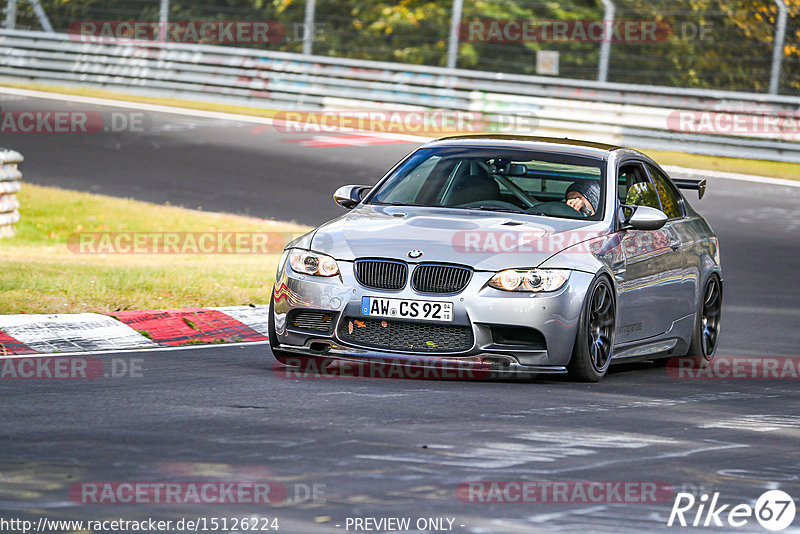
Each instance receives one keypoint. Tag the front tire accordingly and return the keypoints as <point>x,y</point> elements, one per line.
<point>705,334</point>
<point>594,342</point>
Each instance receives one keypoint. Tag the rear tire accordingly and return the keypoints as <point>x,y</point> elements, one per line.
<point>594,342</point>
<point>707,321</point>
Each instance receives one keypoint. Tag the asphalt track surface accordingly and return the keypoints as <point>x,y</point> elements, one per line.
<point>392,447</point>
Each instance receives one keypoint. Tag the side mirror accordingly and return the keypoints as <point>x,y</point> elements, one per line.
<point>348,196</point>
<point>698,185</point>
<point>642,218</point>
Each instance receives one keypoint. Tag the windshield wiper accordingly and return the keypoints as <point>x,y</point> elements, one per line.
<point>397,204</point>
<point>490,208</point>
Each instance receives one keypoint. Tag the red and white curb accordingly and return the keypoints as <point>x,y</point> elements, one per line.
<point>139,329</point>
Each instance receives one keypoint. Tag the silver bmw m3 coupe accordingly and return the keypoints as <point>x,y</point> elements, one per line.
<point>518,254</point>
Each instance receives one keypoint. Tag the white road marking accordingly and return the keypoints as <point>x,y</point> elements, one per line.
<point>758,423</point>
<point>72,332</point>
<point>700,173</point>
<point>762,310</point>
<point>242,344</point>
<point>540,447</point>
<point>92,332</point>
<point>256,318</point>
<point>504,456</point>
<point>265,120</point>
<point>552,516</point>
<point>182,111</point>
<point>774,474</point>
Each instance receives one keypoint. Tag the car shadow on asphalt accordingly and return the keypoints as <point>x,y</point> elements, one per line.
<point>365,371</point>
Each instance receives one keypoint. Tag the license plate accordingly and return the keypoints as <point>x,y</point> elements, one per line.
<point>407,309</point>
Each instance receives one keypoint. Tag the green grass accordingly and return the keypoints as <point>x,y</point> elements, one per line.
<point>774,169</point>
<point>125,97</point>
<point>41,274</point>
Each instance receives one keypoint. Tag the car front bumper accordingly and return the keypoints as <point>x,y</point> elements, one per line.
<point>478,308</point>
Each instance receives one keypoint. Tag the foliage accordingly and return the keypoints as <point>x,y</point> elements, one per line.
<point>719,44</point>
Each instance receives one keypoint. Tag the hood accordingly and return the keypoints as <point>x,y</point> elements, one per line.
<point>485,240</point>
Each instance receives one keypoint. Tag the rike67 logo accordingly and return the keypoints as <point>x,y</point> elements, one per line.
<point>774,510</point>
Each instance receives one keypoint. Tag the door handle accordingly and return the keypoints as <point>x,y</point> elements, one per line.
<point>674,240</point>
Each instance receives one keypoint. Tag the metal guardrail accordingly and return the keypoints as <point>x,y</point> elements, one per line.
<point>10,177</point>
<point>640,116</point>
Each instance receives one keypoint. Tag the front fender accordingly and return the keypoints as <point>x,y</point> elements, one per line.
<point>602,253</point>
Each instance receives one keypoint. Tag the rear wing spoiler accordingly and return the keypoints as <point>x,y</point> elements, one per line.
<point>696,185</point>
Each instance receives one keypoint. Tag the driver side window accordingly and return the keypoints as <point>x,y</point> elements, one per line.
<point>634,187</point>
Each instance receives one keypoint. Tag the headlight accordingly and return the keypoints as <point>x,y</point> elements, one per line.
<point>313,263</point>
<point>533,280</point>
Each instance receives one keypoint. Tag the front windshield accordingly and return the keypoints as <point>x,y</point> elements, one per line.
<point>498,179</point>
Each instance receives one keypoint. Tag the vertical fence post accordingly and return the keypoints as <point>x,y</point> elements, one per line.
<point>11,15</point>
<point>605,46</point>
<point>308,27</point>
<point>777,48</point>
<point>452,42</point>
<point>163,19</point>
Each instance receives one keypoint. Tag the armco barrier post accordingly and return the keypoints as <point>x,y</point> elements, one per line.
<point>10,177</point>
